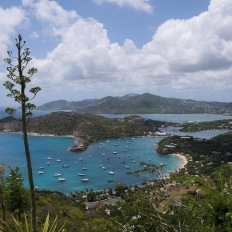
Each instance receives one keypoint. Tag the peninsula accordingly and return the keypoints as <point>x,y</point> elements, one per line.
<point>87,128</point>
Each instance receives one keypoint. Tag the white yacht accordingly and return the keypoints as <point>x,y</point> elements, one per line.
<point>81,174</point>
<point>57,174</point>
<point>111,173</point>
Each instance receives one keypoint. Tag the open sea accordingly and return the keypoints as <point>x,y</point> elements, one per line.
<point>118,156</point>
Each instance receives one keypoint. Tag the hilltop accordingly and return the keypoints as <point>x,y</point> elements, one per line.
<point>140,104</point>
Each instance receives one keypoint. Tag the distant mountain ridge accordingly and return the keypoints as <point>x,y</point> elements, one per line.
<point>140,104</point>
<point>65,105</point>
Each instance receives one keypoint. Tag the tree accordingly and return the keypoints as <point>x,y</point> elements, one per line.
<point>16,197</point>
<point>91,196</point>
<point>2,188</point>
<point>18,65</point>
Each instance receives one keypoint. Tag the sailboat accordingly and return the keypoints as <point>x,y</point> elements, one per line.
<point>57,174</point>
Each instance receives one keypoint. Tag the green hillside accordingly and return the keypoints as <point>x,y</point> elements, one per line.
<point>141,104</point>
<point>89,128</point>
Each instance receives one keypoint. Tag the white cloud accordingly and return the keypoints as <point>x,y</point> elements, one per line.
<point>140,5</point>
<point>182,54</point>
<point>192,54</point>
<point>11,18</point>
<point>52,12</point>
<point>51,15</point>
<point>197,47</point>
<point>34,34</point>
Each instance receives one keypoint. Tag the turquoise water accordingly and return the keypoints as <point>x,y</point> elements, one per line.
<point>130,153</point>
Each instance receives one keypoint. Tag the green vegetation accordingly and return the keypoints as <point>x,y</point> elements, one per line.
<point>89,128</point>
<point>19,80</point>
<point>200,126</point>
<point>140,104</point>
<point>195,198</point>
<point>25,226</point>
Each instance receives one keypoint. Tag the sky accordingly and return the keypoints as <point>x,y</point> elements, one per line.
<point>85,49</point>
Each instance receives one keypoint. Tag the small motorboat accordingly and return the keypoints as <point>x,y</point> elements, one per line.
<point>111,173</point>
<point>65,166</point>
<point>57,174</point>
<point>81,174</point>
<point>61,179</point>
<point>84,179</point>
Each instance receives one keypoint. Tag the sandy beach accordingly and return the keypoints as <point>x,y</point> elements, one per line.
<point>183,159</point>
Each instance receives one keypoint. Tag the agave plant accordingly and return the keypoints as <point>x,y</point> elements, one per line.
<point>18,226</point>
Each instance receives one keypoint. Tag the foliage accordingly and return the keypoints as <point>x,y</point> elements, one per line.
<point>15,193</point>
<point>224,138</point>
<point>2,190</point>
<point>18,65</point>
<point>18,226</point>
<point>140,104</point>
<point>89,128</point>
<point>200,126</point>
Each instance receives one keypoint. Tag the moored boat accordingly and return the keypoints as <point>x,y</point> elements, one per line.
<point>65,166</point>
<point>111,172</point>
<point>84,179</point>
<point>81,174</point>
<point>61,179</point>
<point>57,174</point>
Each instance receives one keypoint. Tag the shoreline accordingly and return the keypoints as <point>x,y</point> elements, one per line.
<point>183,159</point>
<point>38,134</point>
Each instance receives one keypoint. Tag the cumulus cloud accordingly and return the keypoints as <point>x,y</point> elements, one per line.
<point>182,53</point>
<point>140,5</point>
<point>195,53</point>
<point>198,46</point>
<point>52,12</point>
<point>11,19</point>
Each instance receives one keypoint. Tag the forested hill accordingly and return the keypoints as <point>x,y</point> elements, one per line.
<point>140,104</point>
<point>89,128</point>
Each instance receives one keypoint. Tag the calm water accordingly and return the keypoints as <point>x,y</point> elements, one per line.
<point>130,153</point>
<point>177,118</point>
